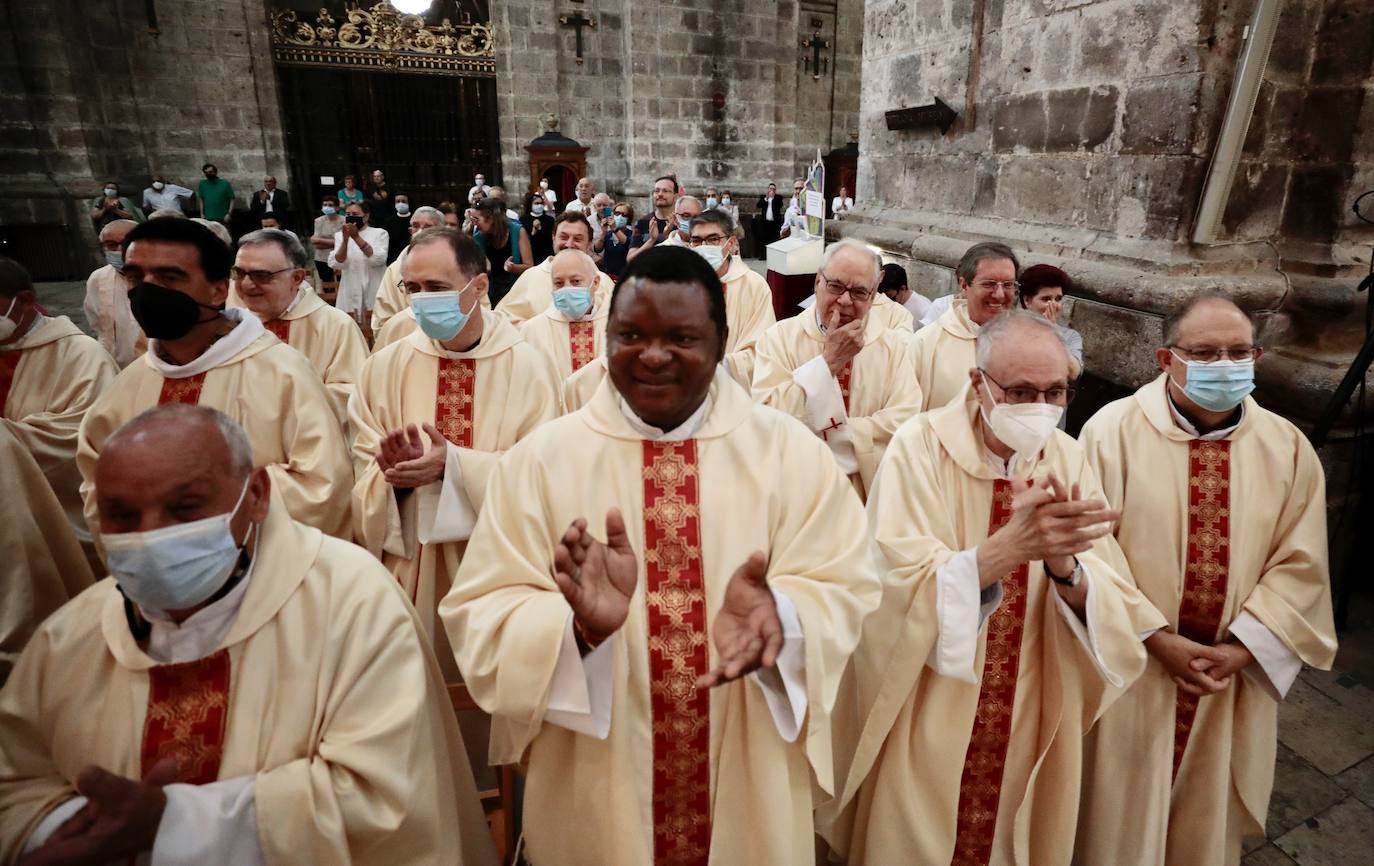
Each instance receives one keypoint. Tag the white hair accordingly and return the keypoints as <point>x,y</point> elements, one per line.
<point>218,230</point>
<point>862,249</point>
<point>291,247</point>
<point>587,261</point>
<point>174,212</point>
<point>235,439</point>
<point>1011,320</point>
<point>683,198</point>
<point>117,224</point>
<point>428,211</point>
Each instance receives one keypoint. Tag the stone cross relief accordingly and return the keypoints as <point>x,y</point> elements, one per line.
<point>577,21</point>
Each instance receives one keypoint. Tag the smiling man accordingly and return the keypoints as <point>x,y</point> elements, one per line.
<point>201,353</point>
<point>835,368</point>
<point>244,690</point>
<point>944,351</point>
<point>433,414</point>
<point>269,277</point>
<point>532,293</point>
<point>659,598</point>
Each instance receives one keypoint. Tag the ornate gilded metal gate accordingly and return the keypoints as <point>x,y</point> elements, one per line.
<point>368,88</point>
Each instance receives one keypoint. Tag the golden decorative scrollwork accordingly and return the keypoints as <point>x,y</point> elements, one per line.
<point>382,37</point>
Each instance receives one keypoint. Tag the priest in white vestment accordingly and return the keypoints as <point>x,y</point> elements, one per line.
<point>107,299</point>
<point>1223,521</point>
<point>432,416</point>
<point>833,367</point>
<point>1008,624</point>
<point>51,373</point>
<point>945,349</point>
<point>42,564</point>
<point>532,293</point>
<point>244,690</point>
<point>572,332</point>
<point>659,598</point>
<point>270,278</point>
<point>392,297</point>
<point>200,353</point>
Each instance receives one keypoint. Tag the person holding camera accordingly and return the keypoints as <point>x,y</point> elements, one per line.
<point>360,258</point>
<point>614,243</point>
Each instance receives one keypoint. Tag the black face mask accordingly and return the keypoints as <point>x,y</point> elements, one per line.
<point>165,314</point>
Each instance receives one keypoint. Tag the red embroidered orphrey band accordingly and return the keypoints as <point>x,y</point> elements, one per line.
<point>185,390</point>
<point>675,599</point>
<point>582,340</point>
<point>980,787</point>
<point>188,707</point>
<point>1206,568</point>
<point>843,380</point>
<point>453,400</point>
<point>9,362</point>
<point>280,328</point>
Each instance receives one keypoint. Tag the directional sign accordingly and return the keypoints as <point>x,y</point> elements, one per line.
<point>937,114</point>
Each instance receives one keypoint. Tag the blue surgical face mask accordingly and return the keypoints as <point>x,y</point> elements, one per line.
<point>714,255</point>
<point>684,226</point>
<point>440,314</point>
<point>711,202</point>
<point>725,201</point>
<point>621,221</point>
<point>402,208</point>
<point>1218,386</point>
<point>537,209</point>
<point>175,567</point>
<point>329,211</point>
<point>573,301</point>
<point>115,259</point>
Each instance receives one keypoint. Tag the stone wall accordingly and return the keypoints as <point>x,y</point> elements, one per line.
<point>1084,135</point>
<point>89,94</point>
<point>644,97</point>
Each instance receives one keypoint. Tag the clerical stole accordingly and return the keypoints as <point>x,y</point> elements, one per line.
<point>1207,565</point>
<point>188,707</point>
<point>9,362</point>
<point>980,787</point>
<point>453,400</point>
<point>675,598</point>
<point>582,338</point>
<point>185,390</point>
<point>280,328</point>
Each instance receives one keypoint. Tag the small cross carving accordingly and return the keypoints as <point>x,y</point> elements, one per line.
<point>577,21</point>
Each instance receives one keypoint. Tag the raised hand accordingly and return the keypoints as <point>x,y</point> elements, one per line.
<point>597,579</point>
<point>842,342</point>
<point>120,818</point>
<point>420,466</point>
<point>1047,524</point>
<point>653,230</point>
<point>1193,666</point>
<point>747,632</point>
<point>398,446</point>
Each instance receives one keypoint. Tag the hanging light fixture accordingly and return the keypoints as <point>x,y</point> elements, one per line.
<point>412,7</point>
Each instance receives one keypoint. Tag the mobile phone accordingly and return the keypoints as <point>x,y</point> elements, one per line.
<point>353,220</point>
<point>606,211</point>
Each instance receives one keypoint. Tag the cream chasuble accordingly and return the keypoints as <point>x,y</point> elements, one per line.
<point>532,293</point>
<point>1224,537</point>
<point>971,705</point>
<point>944,354</point>
<point>328,338</point>
<point>268,388</point>
<point>748,305</point>
<point>42,564</point>
<point>49,378</point>
<point>321,700</point>
<point>891,314</point>
<point>569,345</point>
<point>483,401</point>
<point>682,775</point>
<point>854,413</point>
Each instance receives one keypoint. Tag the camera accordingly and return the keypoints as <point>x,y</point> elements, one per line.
<point>353,220</point>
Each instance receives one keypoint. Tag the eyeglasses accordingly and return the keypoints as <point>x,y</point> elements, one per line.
<point>713,240</point>
<point>1234,353</point>
<point>1060,395</point>
<point>258,277</point>
<point>836,289</point>
<point>994,285</point>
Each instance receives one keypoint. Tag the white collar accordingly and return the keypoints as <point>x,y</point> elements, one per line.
<point>684,431</point>
<point>1187,426</point>
<point>223,350</point>
<point>198,635</point>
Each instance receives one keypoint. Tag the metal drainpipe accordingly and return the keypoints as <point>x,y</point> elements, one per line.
<point>1250,66</point>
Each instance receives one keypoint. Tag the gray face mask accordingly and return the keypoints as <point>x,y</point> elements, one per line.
<point>111,191</point>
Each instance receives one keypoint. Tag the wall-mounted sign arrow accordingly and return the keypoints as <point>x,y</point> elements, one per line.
<point>937,114</point>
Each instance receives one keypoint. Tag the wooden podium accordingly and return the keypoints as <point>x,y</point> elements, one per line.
<point>792,266</point>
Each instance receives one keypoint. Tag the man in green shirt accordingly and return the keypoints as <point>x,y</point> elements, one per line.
<point>216,195</point>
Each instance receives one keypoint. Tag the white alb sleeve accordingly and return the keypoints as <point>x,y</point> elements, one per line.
<point>1276,666</point>
<point>209,825</point>
<point>444,511</point>
<point>825,412</point>
<point>1087,635</point>
<point>961,608</point>
<point>784,685</point>
<point>582,687</point>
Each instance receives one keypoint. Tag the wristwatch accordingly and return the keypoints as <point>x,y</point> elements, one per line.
<point>1075,577</point>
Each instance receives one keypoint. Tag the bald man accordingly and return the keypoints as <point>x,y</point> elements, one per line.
<point>107,299</point>
<point>391,297</point>
<point>582,202</point>
<point>1224,524</point>
<point>1008,624</point>
<point>244,689</point>
<point>51,374</point>
<point>572,331</point>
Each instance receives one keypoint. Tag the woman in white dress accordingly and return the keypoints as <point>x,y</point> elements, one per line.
<point>359,256</point>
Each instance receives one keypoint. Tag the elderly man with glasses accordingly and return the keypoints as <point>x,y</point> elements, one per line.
<point>1224,526</point>
<point>1008,623</point>
<point>836,368</point>
<point>944,352</point>
<point>269,278</point>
